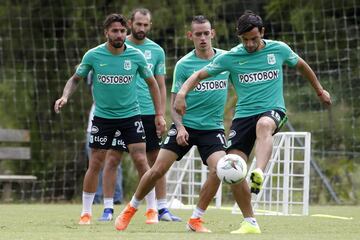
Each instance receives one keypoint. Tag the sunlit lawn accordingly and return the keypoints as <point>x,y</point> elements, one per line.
<point>55,221</point>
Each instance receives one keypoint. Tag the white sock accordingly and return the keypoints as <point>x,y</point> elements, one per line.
<point>161,203</point>
<point>87,201</point>
<point>251,220</point>
<point>109,203</point>
<point>197,213</point>
<point>135,203</point>
<point>150,200</point>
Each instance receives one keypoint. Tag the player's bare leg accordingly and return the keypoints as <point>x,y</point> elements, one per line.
<point>265,128</point>
<point>242,196</point>
<point>164,161</point>
<point>207,193</point>
<point>137,152</point>
<point>90,184</point>
<point>110,171</point>
<point>160,190</point>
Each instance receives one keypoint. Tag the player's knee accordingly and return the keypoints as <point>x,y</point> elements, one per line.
<point>111,164</point>
<point>265,126</point>
<point>139,157</point>
<point>242,187</point>
<point>95,167</point>
<point>112,161</point>
<point>95,164</point>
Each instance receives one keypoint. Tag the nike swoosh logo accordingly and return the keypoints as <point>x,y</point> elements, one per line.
<point>103,64</point>
<point>242,63</point>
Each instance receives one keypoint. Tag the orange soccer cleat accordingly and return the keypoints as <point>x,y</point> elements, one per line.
<point>85,219</point>
<point>151,216</point>
<point>195,225</point>
<point>123,220</point>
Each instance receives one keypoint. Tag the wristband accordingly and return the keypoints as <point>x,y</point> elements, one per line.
<point>158,114</point>
<point>320,93</point>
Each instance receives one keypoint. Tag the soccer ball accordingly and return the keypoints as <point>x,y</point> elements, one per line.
<point>231,169</point>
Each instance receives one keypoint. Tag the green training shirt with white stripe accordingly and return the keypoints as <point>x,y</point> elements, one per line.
<point>114,80</point>
<point>257,77</point>
<point>155,57</point>
<point>206,102</point>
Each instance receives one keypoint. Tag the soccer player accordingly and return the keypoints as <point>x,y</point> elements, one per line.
<point>140,25</point>
<point>202,125</point>
<point>117,113</point>
<point>118,194</point>
<point>256,72</point>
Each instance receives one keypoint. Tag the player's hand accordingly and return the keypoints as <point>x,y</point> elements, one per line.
<point>59,104</point>
<point>180,104</point>
<point>182,137</point>
<point>325,97</point>
<point>160,125</point>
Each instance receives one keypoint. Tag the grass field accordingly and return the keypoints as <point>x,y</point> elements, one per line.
<point>55,221</point>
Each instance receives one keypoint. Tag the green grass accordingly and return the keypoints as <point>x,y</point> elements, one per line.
<point>56,221</point>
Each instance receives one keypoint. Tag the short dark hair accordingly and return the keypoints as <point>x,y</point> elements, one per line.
<point>114,17</point>
<point>248,21</point>
<point>199,19</point>
<point>143,11</point>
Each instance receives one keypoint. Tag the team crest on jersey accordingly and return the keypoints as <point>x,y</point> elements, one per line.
<point>271,59</point>
<point>127,64</point>
<point>147,54</point>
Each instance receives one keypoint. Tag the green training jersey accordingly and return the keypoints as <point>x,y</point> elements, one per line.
<point>114,82</point>
<point>155,56</point>
<point>206,102</point>
<point>257,77</point>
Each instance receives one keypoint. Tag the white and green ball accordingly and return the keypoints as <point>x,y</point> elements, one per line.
<point>231,169</point>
